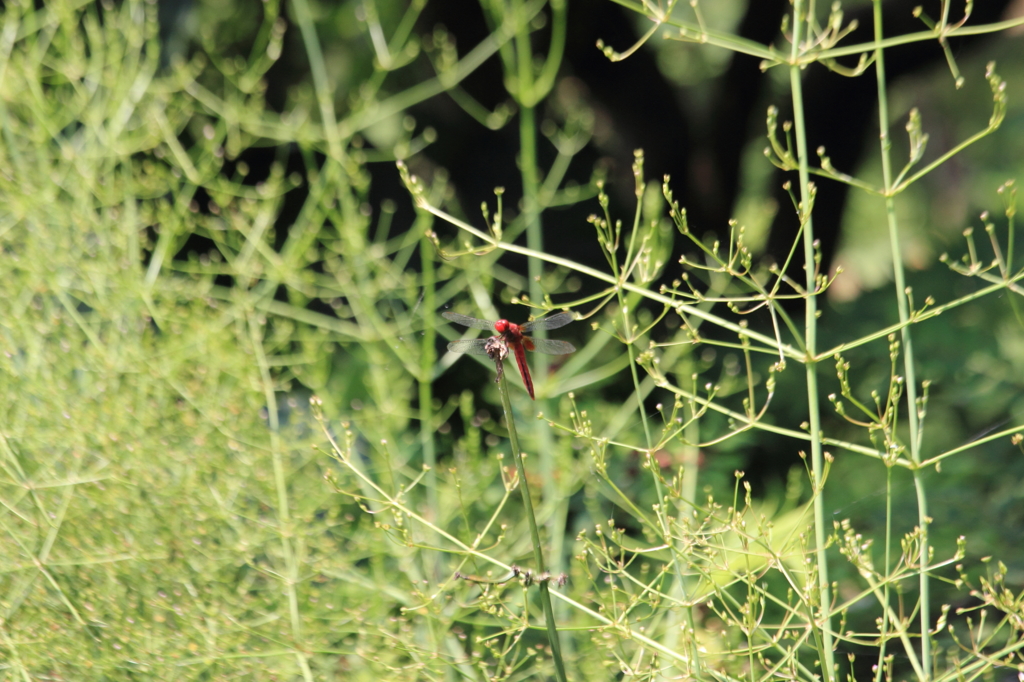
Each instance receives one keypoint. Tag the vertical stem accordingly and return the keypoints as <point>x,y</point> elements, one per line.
<point>902,295</point>
<point>810,331</point>
<point>691,462</point>
<point>530,174</point>
<point>624,306</point>
<point>318,70</point>
<point>691,456</point>
<point>538,554</point>
<point>884,629</point>
<point>535,268</point>
<point>1011,212</point>
<point>531,189</point>
<point>291,572</point>
<point>428,355</point>
<point>526,98</point>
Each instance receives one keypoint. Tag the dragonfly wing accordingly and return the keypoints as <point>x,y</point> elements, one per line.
<point>553,322</point>
<point>467,321</point>
<point>549,346</point>
<point>469,346</point>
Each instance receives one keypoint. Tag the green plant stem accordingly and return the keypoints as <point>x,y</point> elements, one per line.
<point>531,205</point>
<point>428,356</point>
<point>810,368</point>
<point>538,554</point>
<point>908,352</point>
<point>535,268</point>
<point>884,628</point>
<point>321,83</point>
<point>291,574</point>
<point>528,92</point>
<point>626,304</point>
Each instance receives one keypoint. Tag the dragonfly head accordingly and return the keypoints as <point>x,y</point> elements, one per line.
<point>502,326</point>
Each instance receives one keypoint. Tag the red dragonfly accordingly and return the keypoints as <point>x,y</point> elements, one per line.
<point>512,335</point>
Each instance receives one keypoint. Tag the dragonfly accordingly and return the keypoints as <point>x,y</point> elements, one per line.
<point>514,337</point>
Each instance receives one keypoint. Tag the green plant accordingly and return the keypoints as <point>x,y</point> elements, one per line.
<point>165,324</point>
